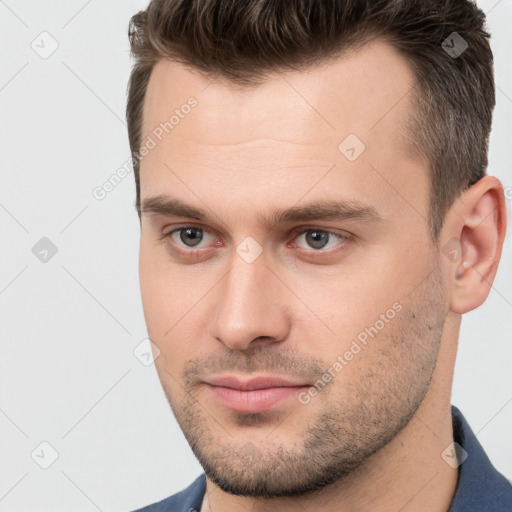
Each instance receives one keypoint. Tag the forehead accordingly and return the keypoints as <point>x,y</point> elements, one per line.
<point>352,93</point>
<point>292,122</point>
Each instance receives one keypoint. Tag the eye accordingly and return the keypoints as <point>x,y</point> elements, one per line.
<point>319,239</point>
<point>189,237</point>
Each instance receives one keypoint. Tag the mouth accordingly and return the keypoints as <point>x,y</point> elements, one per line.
<point>257,394</point>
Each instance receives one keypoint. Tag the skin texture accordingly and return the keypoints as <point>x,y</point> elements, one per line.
<point>372,438</point>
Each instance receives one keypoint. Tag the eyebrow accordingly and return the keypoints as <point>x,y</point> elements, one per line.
<point>319,210</point>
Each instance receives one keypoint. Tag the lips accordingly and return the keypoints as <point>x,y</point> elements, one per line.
<point>257,394</point>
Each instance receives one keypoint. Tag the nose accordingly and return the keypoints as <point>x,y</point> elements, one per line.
<point>251,306</point>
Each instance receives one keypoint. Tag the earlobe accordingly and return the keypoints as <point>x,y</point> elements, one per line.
<point>479,224</point>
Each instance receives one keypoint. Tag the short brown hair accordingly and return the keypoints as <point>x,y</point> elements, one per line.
<point>245,41</point>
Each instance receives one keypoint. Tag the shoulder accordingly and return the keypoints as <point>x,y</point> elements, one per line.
<point>187,500</point>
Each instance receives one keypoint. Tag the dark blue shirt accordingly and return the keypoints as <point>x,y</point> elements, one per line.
<point>480,488</point>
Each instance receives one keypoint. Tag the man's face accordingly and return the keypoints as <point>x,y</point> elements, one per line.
<point>348,309</point>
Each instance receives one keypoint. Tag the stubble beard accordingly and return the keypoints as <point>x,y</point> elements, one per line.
<point>346,432</point>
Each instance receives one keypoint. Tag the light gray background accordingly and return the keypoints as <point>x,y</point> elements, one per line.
<point>69,326</point>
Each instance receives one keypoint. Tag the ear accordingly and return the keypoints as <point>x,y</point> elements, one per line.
<point>472,242</point>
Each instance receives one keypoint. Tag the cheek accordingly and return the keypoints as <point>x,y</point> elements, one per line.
<point>171,308</point>
<point>346,303</point>
<point>158,291</point>
<point>360,307</point>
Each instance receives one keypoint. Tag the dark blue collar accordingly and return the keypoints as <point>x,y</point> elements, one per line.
<point>480,488</point>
